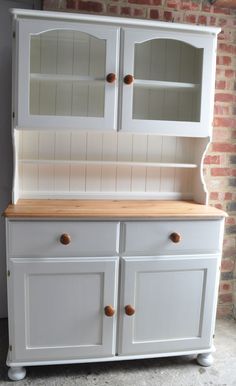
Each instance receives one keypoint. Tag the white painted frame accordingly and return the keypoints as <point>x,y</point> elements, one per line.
<point>179,128</point>
<point>23,118</point>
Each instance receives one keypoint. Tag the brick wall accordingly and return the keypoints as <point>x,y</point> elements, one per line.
<point>220,162</point>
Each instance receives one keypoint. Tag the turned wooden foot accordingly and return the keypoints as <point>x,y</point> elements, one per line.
<point>205,359</point>
<point>16,373</point>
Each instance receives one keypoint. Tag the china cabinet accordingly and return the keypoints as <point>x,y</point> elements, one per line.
<point>112,250</point>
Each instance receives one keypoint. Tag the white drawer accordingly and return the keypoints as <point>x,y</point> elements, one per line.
<point>42,238</point>
<point>153,237</point>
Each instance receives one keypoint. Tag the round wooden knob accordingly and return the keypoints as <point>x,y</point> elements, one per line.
<point>109,311</point>
<point>111,78</point>
<point>129,310</point>
<point>65,239</point>
<point>175,237</point>
<point>128,79</point>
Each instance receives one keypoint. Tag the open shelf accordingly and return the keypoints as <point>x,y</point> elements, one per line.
<point>66,78</point>
<point>112,163</point>
<point>165,85</point>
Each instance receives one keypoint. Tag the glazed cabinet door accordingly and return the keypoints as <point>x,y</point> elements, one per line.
<point>167,304</point>
<point>57,308</point>
<point>67,75</point>
<point>168,82</point>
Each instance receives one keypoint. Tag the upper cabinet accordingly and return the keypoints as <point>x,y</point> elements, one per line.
<point>168,82</point>
<point>67,75</point>
<point>114,74</point>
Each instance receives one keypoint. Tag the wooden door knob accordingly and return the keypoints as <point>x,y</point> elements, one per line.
<point>175,237</point>
<point>65,239</point>
<point>128,79</point>
<point>109,311</point>
<point>110,78</point>
<point>129,310</point>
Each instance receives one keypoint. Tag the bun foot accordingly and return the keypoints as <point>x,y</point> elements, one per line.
<point>205,359</point>
<point>16,373</point>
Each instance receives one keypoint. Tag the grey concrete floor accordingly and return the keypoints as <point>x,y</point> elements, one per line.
<point>175,371</point>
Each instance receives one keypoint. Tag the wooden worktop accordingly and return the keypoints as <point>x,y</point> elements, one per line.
<point>110,209</point>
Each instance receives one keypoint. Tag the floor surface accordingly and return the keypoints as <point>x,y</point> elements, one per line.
<point>175,371</point>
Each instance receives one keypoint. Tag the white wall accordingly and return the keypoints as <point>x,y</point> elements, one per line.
<point>5,128</point>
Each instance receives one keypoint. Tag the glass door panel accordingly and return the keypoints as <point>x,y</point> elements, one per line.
<point>167,81</point>
<point>67,74</point>
<point>167,76</point>
<point>63,75</point>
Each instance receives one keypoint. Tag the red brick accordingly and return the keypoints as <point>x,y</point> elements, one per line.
<point>224,60</point>
<point>168,16</point>
<point>225,287</point>
<point>228,196</point>
<point>224,311</point>
<point>219,172</point>
<point>90,6</point>
<point>214,196</point>
<point>212,160</point>
<point>190,19</point>
<point>229,73</point>
<point>147,2</point>
<point>71,4</point>
<point>224,147</point>
<point>221,110</point>
<point>225,122</point>
<point>227,265</point>
<point>154,14</point>
<point>172,4</point>
<point>230,221</point>
<point>125,11</point>
<point>225,11</point>
<point>226,298</point>
<point>234,134</point>
<point>221,134</point>
<point>220,84</point>
<point>218,206</point>
<point>113,9</point>
<point>213,20</point>
<point>229,48</point>
<point>228,252</point>
<point>185,5</point>
<point>222,97</point>
<point>202,20</point>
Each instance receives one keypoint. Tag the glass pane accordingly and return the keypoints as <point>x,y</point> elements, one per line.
<point>167,82</point>
<point>67,74</point>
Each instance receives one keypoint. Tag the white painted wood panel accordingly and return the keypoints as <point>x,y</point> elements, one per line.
<point>152,238</point>
<point>52,316</point>
<point>66,163</point>
<point>42,238</point>
<point>179,316</point>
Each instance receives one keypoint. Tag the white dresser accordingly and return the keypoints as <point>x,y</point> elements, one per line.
<point>112,250</point>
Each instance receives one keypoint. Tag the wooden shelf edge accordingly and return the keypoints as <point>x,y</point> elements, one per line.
<point>107,209</point>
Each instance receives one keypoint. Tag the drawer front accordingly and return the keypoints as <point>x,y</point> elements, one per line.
<point>154,237</point>
<point>42,238</point>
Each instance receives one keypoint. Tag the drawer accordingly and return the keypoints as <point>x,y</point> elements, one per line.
<point>153,237</point>
<point>42,238</point>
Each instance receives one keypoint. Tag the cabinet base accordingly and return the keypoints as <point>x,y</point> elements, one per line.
<point>205,359</point>
<point>16,373</point>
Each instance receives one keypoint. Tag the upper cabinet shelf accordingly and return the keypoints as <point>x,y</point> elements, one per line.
<point>114,75</point>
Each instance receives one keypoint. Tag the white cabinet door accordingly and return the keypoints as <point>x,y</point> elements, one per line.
<point>171,82</point>
<point>63,69</point>
<point>174,303</point>
<point>57,308</point>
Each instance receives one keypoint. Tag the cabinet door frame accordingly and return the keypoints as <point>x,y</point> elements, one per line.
<point>19,322</point>
<point>164,127</point>
<point>129,268</point>
<point>24,28</point>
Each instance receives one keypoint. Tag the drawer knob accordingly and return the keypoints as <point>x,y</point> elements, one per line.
<point>109,311</point>
<point>175,237</point>
<point>110,78</point>
<point>129,310</point>
<point>65,239</point>
<point>128,79</point>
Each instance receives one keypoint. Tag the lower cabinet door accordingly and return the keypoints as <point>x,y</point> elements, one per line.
<point>167,304</point>
<point>56,308</point>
